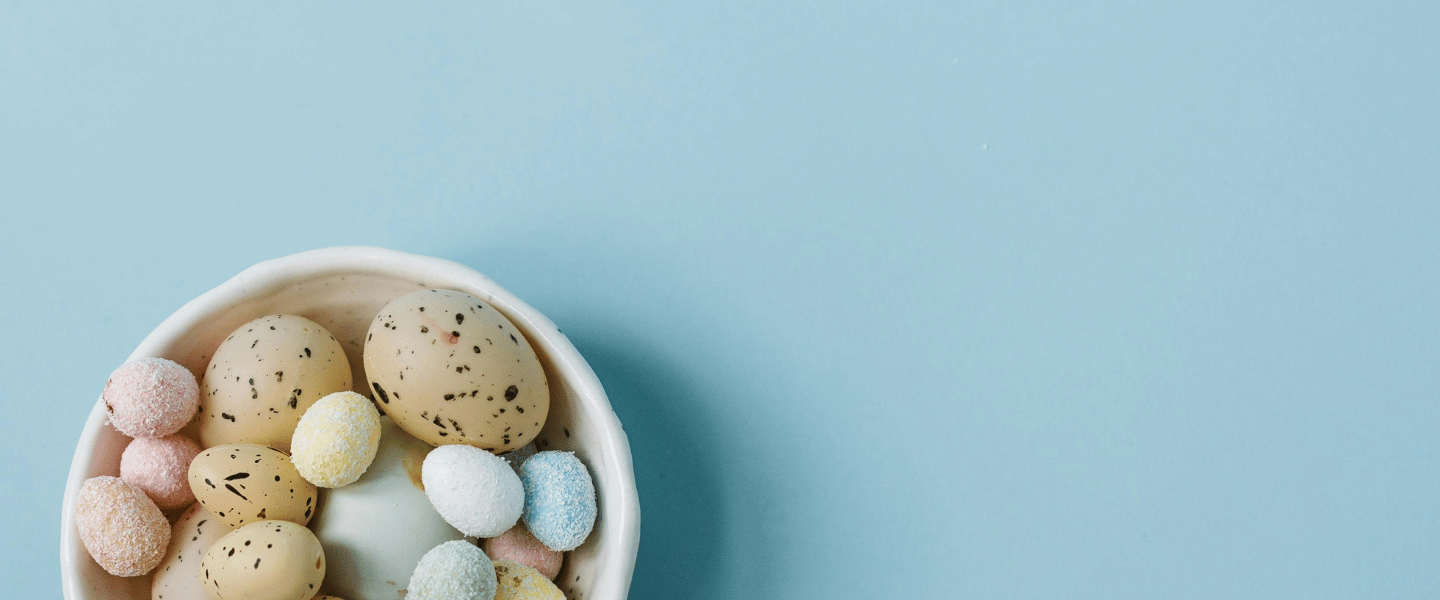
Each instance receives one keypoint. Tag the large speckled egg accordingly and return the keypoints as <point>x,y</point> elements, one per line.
<point>178,576</point>
<point>263,377</point>
<point>265,560</point>
<point>359,522</point>
<point>450,369</point>
<point>244,483</point>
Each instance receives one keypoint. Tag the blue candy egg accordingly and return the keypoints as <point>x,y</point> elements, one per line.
<point>559,499</point>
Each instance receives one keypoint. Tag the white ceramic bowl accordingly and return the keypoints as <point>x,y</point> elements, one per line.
<point>343,288</point>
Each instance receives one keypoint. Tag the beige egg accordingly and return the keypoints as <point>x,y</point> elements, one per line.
<point>265,560</point>
<point>264,376</point>
<point>178,576</point>
<point>244,483</point>
<point>450,369</point>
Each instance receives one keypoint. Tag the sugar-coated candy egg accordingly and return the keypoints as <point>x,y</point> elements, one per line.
<point>363,555</point>
<point>264,376</point>
<point>450,369</point>
<point>158,466</point>
<point>473,490</point>
<point>516,581</point>
<point>244,483</point>
<point>336,440</point>
<point>453,571</point>
<point>122,529</point>
<point>265,560</point>
<point>560,507</point>
<point>150,397</point>
<point>518,545</point>
<point>178,576</point>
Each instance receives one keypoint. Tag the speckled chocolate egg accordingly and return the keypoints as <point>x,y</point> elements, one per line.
<point>244,483</point>
<point>265,560</point>
<point>264,376</point>
<point>450,369</point>
<point>178,576</point>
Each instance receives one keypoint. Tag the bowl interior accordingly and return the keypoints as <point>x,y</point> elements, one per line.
<point>343,289</point>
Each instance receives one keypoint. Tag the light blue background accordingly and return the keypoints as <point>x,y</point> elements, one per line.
<point>907,300</point>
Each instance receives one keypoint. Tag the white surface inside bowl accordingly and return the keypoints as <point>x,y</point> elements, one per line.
<point>342,289</point>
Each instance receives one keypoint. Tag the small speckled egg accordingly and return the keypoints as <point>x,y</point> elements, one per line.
<point>450,369</point>
<point>244,483</point>
<point>515,581</point>
<point>150,397</point>
<point>264,376</point>
<point>518,545</point>
<point>158,466</point>
<point>265,560</point>
<point>336,440</point>
<point>122,529</point>
<point>178,576</point>
<point>473,490</point>
<point>453,571</point>
<point>560,507</point>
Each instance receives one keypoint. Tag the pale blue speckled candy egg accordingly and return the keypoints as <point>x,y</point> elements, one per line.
<point>560,505</point>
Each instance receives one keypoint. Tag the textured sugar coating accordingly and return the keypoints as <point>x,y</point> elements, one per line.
<point>336,440</point>
<point>158,467</point>
<point>473,490</point>
<point>518,545</point>
<point>150,397</point>
<point>522,582</point>
<point>560,507</point>
<point>122,529</point>
<point>454,570</point>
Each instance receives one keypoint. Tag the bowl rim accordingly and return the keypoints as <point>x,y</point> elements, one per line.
<point>622,501</point>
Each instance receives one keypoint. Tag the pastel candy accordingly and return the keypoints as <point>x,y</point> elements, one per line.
<point>158,466</point>
<point>150,397</point>
<point>520,546</point>
<point>120,526</point>
<point>454,570</point>
<point>336,440</point>
<point>523,582</point>
<point>472,489</point>
<point>560,505</point>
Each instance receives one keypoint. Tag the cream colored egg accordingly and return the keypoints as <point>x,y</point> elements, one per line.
<point>244,483</point>
<point>450,369</point>
<point>264,376</point>
<point>178,576</point>
<point>265,560</point>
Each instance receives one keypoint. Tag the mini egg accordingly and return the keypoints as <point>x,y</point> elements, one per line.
<point>178,576</point>
<point>522,582</point>
<point>265,560</point>
<point>560,507</point>
<point>450,369</point>
<point>244,483</point>
<point>336,440</point>
<point>120,526</point>
<point>264,376</point>
<point>474,490</point>
<point>453,571</point>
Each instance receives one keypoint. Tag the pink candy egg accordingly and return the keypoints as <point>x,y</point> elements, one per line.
<point>519,545</point>
<point>160,467</point>
<point>151,397</point>
<point>121,528</point>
